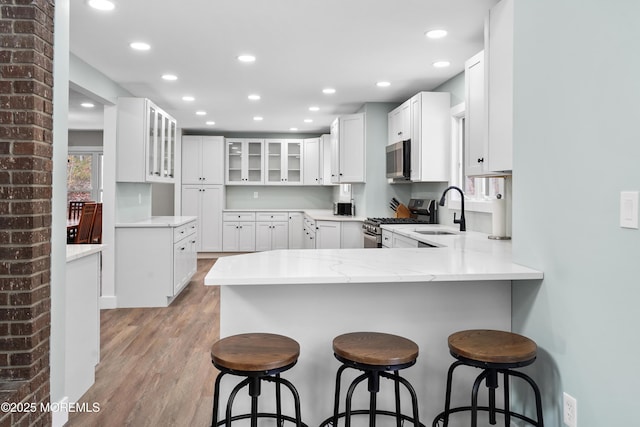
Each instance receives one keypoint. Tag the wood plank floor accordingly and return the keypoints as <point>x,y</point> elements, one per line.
<point>155,367</point>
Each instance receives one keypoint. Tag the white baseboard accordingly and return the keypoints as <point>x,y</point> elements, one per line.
<point>108,302</point>
<point>60,418</point>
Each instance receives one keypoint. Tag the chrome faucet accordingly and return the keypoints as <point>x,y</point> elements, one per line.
<point>461,220</point>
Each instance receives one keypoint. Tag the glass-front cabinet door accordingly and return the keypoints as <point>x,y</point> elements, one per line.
<point>254,170</point>
<point>244,161</point>
<point>294,162</point>
<point>152,143</point>
<point>274,158</point>
<point>161,145</point>
<point>234,161</point>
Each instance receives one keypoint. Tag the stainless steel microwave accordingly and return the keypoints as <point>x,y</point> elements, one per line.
<point>399,160</point>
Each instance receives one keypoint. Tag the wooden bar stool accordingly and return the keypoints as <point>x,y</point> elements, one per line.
<point>377,355</point>
<point>495,352</point>
<point>258,357</point>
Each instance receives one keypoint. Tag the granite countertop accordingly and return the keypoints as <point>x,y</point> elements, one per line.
<point>158,221</point>
<point>75,252</point>
<point>460,257</point>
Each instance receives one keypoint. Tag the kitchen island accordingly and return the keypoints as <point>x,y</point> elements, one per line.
<point>424,294</point>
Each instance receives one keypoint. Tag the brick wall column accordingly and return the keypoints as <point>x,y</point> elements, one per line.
<point>26,124</point>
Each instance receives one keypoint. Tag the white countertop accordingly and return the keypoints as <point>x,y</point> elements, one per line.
<point>75,252</point>
<point>317,214</point>
<point>158,221</point>
<point>467,256</point>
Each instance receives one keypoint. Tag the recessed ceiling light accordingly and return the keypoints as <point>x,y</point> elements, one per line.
<point>314,108</point>
<point>441,64</point>
<point>383,84</point>
<point>436,34</point>
<point>293,129</point>
<point>308,121</point>
<point>101,4</point>
<point>328,90</point>
<point>210,123</point>
<point>87,105</point>
<point>169,77</point>
<point>188,98</point>
<point>201,113</point>
<point>140,46</point>
<point>257,118</point>
<point>246,58</point>
<point>254,97</point>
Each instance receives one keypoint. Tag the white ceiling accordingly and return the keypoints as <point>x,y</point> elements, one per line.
<point>302,46</point>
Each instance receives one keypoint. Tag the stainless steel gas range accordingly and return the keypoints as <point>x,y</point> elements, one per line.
<point>423,211</point>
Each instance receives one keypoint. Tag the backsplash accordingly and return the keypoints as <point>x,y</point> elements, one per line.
<point>133,201</point>
<point>285,197</point>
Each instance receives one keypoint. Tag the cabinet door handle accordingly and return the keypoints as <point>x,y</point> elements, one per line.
<point>481,160</point>
<point>399,133</point>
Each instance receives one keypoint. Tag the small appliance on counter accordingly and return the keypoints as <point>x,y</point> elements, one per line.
<point>423,211</point>
<point>342,208</point>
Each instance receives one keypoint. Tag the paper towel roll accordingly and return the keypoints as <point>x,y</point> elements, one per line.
<point>499,217</point>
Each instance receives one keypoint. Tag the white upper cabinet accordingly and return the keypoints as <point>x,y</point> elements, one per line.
<point>475,143</point>
<point>244,161</point>
<point>489,98</point>
<point>284,162</point>
<point>202,159</point>
<point>400,123</point>
<point>430,136</point>
<point>499,67</point>
<point>146,142</point>
<point>348,149</point>
<point>317,160</point>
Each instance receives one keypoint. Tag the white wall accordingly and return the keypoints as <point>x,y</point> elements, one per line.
<point>59,198</point>
<point>576,146</point>
<point>372,198</point>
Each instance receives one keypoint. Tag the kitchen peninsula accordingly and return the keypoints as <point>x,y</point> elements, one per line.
<point>424,294</point>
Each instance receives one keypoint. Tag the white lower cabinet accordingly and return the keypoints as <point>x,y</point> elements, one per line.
<point>272,231</point>
<point>387,238</point>
<point>399,241</point>
<point>296,230</point>
<point>351,235</point>
<point>153,264</point>
<point>328,234</point>
<point>239,232</point>
<point>205,202</point>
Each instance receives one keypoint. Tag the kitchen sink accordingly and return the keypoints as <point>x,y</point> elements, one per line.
<point>434,232</point>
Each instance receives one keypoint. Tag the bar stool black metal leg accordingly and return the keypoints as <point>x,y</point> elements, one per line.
<point>474,399</point>
<point>336,401</point>
<point>216,398</point>
<point>352,387</point>
<point>507,404</point>
<point>278,403</point>
<point>396,381</point>
<point>447,401</point>
<point>536,392</point>
<point>232,397</point>
<point>296,398</point>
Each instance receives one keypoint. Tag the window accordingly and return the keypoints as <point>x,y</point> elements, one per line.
<point>478,191</point>
<point>84,174</point>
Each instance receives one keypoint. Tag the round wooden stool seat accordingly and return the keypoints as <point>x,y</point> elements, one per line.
<point>255,352</point>
<point>375,348</point>
<point>491,346</point>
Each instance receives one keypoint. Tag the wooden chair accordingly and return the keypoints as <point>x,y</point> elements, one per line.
<point>96,229</point>
<point>75,209</point>
<point>86,223</point>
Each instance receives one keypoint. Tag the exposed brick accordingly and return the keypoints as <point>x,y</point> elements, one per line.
<point>22,41</point>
